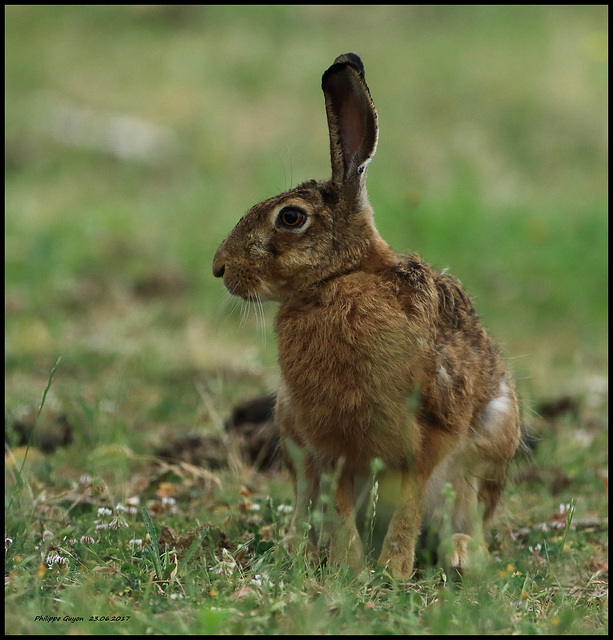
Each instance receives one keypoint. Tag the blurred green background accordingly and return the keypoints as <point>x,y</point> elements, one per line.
<point>136,136</point>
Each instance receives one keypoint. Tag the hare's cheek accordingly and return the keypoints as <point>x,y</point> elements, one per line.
<point>243,281</point>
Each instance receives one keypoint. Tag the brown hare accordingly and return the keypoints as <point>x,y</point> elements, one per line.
<point>381,355</point>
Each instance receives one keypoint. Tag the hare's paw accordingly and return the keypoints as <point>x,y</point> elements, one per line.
<point>459,551</point>
<point>346,548</point>
<point>467,553</point>
<point>397,560</point>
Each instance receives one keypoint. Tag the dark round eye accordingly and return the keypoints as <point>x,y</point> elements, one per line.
<point>291,217</point>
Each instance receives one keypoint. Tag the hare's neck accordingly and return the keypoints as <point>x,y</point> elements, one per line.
<point>379,257</point>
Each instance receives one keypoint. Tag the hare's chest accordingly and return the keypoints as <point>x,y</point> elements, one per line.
<point>357,338</point>
<point>348,370</point>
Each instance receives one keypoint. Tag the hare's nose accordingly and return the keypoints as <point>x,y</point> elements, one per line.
<point>219,263</point>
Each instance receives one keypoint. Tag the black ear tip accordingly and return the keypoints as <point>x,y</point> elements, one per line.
<point>347,59</point>
<point>353,59</point>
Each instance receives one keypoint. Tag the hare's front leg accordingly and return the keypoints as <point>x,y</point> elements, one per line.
<point>398,550</point>
<point>345,543</point>
<point>306,478</point>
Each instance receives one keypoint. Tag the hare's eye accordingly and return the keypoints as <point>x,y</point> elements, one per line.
<point>291,217</point>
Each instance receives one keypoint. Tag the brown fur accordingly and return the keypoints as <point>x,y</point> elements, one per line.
<point>361,331</point>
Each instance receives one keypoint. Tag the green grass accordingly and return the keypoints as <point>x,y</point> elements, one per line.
<point>492,161</point>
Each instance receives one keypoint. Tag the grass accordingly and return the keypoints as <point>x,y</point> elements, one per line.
<point>135,138</point>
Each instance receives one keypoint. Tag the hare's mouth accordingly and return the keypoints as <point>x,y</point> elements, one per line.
<point>241,291</point>
<point>256,291</point>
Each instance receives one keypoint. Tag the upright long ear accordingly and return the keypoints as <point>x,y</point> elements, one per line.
<point>352,119</point>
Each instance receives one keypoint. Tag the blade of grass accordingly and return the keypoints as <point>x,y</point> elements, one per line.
<point>155,549</point>
<point>569,518</point>
<point>20,480</point>
<point>193,547</point>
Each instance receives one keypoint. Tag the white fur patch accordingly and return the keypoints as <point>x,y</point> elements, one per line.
<point>443,376</point>
<point>497,410</point>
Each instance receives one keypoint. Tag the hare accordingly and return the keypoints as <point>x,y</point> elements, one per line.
<point>381,355</point>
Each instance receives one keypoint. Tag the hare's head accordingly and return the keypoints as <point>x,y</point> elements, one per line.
<point>317,230</point>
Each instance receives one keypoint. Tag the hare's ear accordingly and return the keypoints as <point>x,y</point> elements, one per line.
<point>352,118</point>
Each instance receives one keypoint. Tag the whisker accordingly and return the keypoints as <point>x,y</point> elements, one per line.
<point>230,303</point>
<point>259,310</point>
<point>284,172</point>
<point>238,303</point>
<point>291,168</point>
<point>245,308</point>
<point>261,318</point>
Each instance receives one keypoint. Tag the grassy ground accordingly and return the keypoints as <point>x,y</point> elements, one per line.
<point>135,138</point>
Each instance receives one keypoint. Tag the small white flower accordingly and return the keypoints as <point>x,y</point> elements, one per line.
<point>108,406</point>
<point>285,508</point>
<point>87,540</point>
<point>129,509</point>
<point>55,559</point>
<point>259,580</point>
<point>118,523</point>
<point>225,566</point>
<point>104,511</point>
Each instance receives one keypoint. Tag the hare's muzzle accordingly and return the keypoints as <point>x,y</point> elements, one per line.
<point>236,278</point>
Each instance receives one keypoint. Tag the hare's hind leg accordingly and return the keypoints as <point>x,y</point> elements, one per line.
<point>453,529</point>
<point>468,547</point>
<point>478,476</point>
